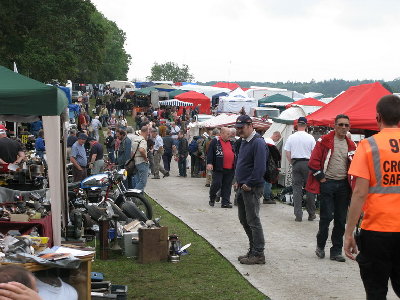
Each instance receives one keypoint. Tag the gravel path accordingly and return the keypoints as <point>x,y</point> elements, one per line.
<point>292,270</point>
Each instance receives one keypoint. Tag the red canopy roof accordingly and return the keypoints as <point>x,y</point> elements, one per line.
<point>227,85</point>
<point>308,102</point>
<point>358,102</point>
<point>197,99</point>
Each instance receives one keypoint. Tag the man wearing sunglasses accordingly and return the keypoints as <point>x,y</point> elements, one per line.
<point>329,164</point>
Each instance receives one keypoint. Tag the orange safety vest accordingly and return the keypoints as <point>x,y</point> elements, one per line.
<point>382,207</point>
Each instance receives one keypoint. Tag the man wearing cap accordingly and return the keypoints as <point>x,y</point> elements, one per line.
<point>96,161</point>
<point>329,164</point>
<point>78,158</point>
<point>10,151</point>
<point>250,169</point>
<point>298,149</point>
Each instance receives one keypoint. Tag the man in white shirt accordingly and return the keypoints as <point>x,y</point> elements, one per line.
<point>158,151</point>
<point>96,125</point>
<point>298,150</point>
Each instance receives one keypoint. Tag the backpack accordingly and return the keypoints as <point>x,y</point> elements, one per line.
<point>193,148</point>
<point>273,164</point>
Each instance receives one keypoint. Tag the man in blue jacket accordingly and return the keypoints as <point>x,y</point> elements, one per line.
<point>250,169</point>
<point>220,160</point>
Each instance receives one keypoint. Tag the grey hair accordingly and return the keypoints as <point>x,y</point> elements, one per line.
<point>215,131</point>
<point>129,129</point>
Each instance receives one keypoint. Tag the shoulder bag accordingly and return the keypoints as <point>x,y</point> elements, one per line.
<point>130,165</point>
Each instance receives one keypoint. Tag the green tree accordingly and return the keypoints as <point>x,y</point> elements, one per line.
<point>170,71</point>
<point>69,39</point>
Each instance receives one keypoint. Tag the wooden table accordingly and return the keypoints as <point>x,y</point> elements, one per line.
<point>79,278</point>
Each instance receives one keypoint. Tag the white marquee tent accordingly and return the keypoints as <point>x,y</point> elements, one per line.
<point>284,124</point>
<point>235,101</point>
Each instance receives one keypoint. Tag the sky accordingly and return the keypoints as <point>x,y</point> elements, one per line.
<point>261,40</point>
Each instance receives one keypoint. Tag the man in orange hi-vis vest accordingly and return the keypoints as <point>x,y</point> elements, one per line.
<point>376,165</point>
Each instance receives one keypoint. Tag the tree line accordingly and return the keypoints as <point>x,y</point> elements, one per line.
<point>330,88</point>
<point>68,39</point>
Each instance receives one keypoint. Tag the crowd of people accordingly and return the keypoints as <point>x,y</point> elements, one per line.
<point>364,178</point>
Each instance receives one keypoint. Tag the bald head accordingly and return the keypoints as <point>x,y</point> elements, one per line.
<point>225,133</point>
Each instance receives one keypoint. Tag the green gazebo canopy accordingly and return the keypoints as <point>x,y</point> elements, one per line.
<point>145,91</point>
<point>175,93</point>
<point>275,98</point>
<point>21,95</point>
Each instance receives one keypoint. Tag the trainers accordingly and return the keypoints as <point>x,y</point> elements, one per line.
<point>253,259</point>
<point>311,217</point>
<point>320,252</point>
<point>268,201</point>
<point>244,256</point>
<point>339,258</point>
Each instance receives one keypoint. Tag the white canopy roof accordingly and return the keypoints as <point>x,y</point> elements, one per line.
<point>174,102</point>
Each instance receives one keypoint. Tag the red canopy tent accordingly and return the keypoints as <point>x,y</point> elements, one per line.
<point>197,99</point>
<point>227,85</point>
<point>307,101</point>
<point>357,102</point>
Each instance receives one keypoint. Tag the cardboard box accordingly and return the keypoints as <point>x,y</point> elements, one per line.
<point>19,218</point>
<point>153,245</point>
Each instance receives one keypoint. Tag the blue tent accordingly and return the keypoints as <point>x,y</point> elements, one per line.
<point>67,92</point>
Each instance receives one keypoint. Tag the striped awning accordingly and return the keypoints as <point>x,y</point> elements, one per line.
<point>175,102</point>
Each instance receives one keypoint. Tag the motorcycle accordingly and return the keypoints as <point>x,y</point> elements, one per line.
<point>107,191</point>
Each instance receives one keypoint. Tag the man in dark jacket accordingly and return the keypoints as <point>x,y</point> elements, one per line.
<point>250,169</point>
<point>125,148</point>
<point>183,151</point>
<point>220,160</point>
<point>167,156</point>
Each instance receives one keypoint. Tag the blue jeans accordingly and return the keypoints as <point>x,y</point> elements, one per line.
<point>182,166</point>
<point>249,217</point>
<point>267,190</point>
<point>334,204</point>
<point>140,179</point>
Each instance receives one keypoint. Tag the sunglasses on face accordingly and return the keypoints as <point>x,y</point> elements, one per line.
<point>343,125</point>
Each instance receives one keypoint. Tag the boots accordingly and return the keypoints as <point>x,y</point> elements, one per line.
<point>253,259</point>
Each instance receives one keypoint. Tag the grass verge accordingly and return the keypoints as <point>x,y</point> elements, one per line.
<point>203,274</point>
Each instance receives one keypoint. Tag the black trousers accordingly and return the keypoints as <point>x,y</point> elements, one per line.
<point>222,180</point>
<point>379,260</point>
<point>334,205</point>
<point>167,157</point>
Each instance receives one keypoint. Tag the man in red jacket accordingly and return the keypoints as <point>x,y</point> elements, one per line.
<point>329,164</point>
